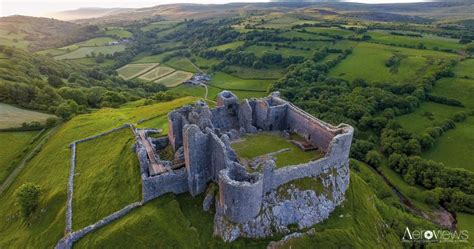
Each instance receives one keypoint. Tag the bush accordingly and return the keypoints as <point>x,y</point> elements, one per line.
<point>27,198</point>
<point>374,158</point>
<point>50,122</point>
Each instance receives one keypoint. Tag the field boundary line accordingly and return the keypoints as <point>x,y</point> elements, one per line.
<point>72,236</point>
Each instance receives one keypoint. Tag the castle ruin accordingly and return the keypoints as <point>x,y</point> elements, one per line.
<point>248,203</point>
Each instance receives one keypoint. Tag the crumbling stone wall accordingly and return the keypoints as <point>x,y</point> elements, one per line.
<point>205,135</point>
<point>240,193</point>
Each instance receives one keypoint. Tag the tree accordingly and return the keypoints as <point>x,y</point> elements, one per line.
<point>55,81</point>
<point>50,122</point>
<point>27,198</point>
<point>374,158</point>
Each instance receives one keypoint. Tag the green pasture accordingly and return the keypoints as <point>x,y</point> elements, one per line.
<point>145,58</point>
<point>464,69</point>
<point>426,115</point>
<point>96,42</point>
<point>13,117</point>
<point>160,122</point>
<point>156,73</point>
<point>456,88</point>
<point>367,61</point>
<point>131,71</point>
<point>46,227</point>
<point>466,222</point>
<point>270,73</point>
<point>107,177</point>
<point>204,63</point>
<point>181,63</point>
<point>303,35</point>
<point>174,79</point>
<point>430,41</point>
<point>254,145</point>
<point>10,39</point>
<point>13,145</point>
<point>331,31</point>
<point>285,52</point>
<point>52,51</point>
<point>159,25</point>
<point>226,81</point>
<point>455,147</point>
<point>84,51</point>
<point>93,62</point>
<point>118,32</point>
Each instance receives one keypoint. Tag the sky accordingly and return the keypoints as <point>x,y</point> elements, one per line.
<point>43,7</point>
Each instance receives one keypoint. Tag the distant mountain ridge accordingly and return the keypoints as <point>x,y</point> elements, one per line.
<point>86,13</point>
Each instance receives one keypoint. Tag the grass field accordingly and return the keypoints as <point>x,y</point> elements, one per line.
<point>131,71</point>
<point>464,69</point>
<point>13,144</point>
<point>167,222</point>
<point>150,58</point>
<point>429,41</point>
<point>456,88</point>
<point>466,222</point>
<point>156,73</point>
<point>270,73</point>
<point>10,39</point>
<point>96,42</point>
<point>181,63</point>
<point>175,78</point>
<point>330,31</point>
<point>263,143</point>
<point>157,123</point>
<point>107,177</point>
<point>454,148</point>
<point>303,35</point>
<point>84,51</point>
<point>93,62</point>
<point>426,115</point>
<point>47,227</point>
<point>226,81</point>
<point>12,117</point>
<point>52,51</point>
<point>285,52</point>
<point>204,63</point>
<point>159,25</point>
<point>361,220</point>
<point>118,32</point>
<point>367,61</point>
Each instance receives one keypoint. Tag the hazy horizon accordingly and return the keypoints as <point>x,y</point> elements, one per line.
<point>45,8</point>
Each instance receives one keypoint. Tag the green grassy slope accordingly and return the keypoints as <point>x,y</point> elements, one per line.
<point>455,147</point>
<point>365,219</point>
<point>12,144</point>
<point>50,168</point>
<point>367,61</point>
<point>107,177</point>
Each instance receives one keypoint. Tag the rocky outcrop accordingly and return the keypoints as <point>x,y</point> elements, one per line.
<point>285,206</point>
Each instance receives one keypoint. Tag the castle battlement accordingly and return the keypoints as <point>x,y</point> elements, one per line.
<point>201,139</point>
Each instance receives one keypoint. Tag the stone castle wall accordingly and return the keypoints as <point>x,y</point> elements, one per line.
<point>205,135</point>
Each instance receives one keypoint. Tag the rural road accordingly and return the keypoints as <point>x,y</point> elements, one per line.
<point>22,164</point>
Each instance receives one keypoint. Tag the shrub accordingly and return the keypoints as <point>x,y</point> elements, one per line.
<point>374,158</point>
<point>27,198</point>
